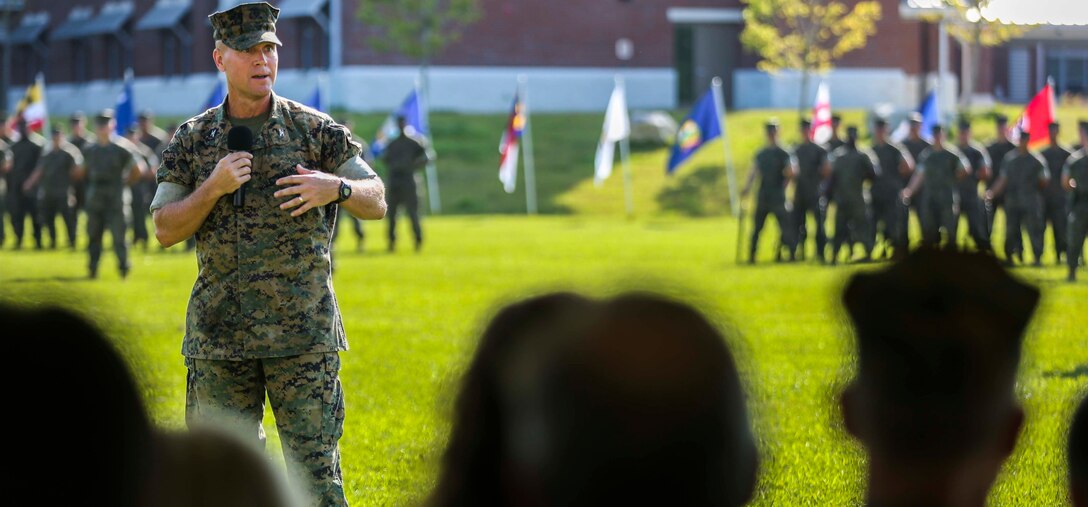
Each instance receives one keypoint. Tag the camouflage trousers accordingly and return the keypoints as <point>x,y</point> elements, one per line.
<point>306,398</point>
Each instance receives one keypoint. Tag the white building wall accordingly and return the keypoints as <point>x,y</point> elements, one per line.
<point>380,89</point>
<point>850,88</point>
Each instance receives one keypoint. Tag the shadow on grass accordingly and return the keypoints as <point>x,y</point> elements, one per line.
<point>1077,372</point>
<point>50,279</point>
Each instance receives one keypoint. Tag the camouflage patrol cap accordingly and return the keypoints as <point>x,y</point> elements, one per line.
<point>880,123</point>
<point>104,117</point>
<point>915,118</point>
<point>964,124</point>
<point>246,25</point>
<point>771,125</point>
<point>76,117</point>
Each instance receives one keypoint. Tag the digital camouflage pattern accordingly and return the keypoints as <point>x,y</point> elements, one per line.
<point>307,399</point>
<point>246,25</point>
<point>264,286</point>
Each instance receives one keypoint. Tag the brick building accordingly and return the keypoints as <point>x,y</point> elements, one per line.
<point>567,48</point>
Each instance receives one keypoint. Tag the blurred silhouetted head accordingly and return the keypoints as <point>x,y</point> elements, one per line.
<point>78,414</point>
<point>1078,456</point>
<point>939,336</point>
<point>517,341</point>
<point>646,408</point>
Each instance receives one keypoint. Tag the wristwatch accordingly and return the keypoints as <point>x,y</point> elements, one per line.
<point>345,192</point>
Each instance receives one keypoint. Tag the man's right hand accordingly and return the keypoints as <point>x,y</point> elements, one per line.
<point>230,173</point>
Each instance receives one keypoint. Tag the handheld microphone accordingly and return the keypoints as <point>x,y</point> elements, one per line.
<point>240,139</point>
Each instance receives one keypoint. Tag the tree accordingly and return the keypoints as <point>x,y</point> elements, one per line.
<point>969,25</point>
<point>806,35</point>
<point>419,29</point>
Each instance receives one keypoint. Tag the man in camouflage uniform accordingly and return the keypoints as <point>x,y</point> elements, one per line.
<point>5,167</point>
<point>111,163</point>
<point>978,170</point>
<point>775,168</point>
<point>139,189</point>
<point>813,170</point>
<point>81,139</point>
<point>262,318</point>
<point>997,151</point>
<point>1023,178</point>
<point>850,169</point>
<point>1075,181</point>
<point>888,212</point>
<point>940,169</point>
<point>835,142</point>
<point>404,156</point>
<point>915,145</point>
<point>53,177</point>
<point>21,205</point>
<point>1055,197</point>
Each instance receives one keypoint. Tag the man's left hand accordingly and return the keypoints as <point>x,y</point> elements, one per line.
<point>307,190</point>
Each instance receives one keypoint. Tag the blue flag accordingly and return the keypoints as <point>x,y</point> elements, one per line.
<point>315,100</point>
<point>219,93</point>
<point>700,126</point>
<point>415,114</point>
<point>125,111</point>
<point>930,116</point>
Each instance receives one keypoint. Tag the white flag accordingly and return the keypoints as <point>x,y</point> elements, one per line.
<point>821,115</point>
<point>616,127</point>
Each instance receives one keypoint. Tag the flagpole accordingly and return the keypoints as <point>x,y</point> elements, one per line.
<point>719,105</point>
<point>625,158</point>
<point>431,170</point>
<point>527,143</point>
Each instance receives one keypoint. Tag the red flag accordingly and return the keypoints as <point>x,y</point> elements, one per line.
<point>1036,119</point>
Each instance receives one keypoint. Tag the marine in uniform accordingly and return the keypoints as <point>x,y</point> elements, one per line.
<point>111,163</point>
<point>1075,181</point>
<point>5,167</point>
<point>404,156</point>
<point>21,205</point>
<point>775,168</point>
<point>262,318</point>
<point>850,169</point>
<point>939,171</point>
<point>813,170</point>
<point>139,189</point>
<point>835,142</point>
<point>971,206</point>
<point>1055,197</point>
<point>915,145</point>
<point>889,215</point>
<point>1023,179</point>
<point>81,139</point>
<point>997,151</point>
<point>53,178</point>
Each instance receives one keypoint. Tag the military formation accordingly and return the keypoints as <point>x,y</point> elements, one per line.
<point>872,192</point>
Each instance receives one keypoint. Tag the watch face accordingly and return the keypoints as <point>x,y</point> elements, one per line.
<point>345,191</point>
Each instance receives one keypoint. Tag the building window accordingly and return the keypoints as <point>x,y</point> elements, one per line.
<point>169,55</point>
<point>79,61</point>
<point>306,47</point>
<point>1068,67</point>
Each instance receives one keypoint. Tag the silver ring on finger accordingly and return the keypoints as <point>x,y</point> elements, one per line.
<point>301,200</point>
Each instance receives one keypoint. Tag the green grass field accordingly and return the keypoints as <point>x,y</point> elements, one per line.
<point>412,321</point>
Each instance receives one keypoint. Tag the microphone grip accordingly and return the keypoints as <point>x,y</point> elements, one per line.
<point>240,196</point>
